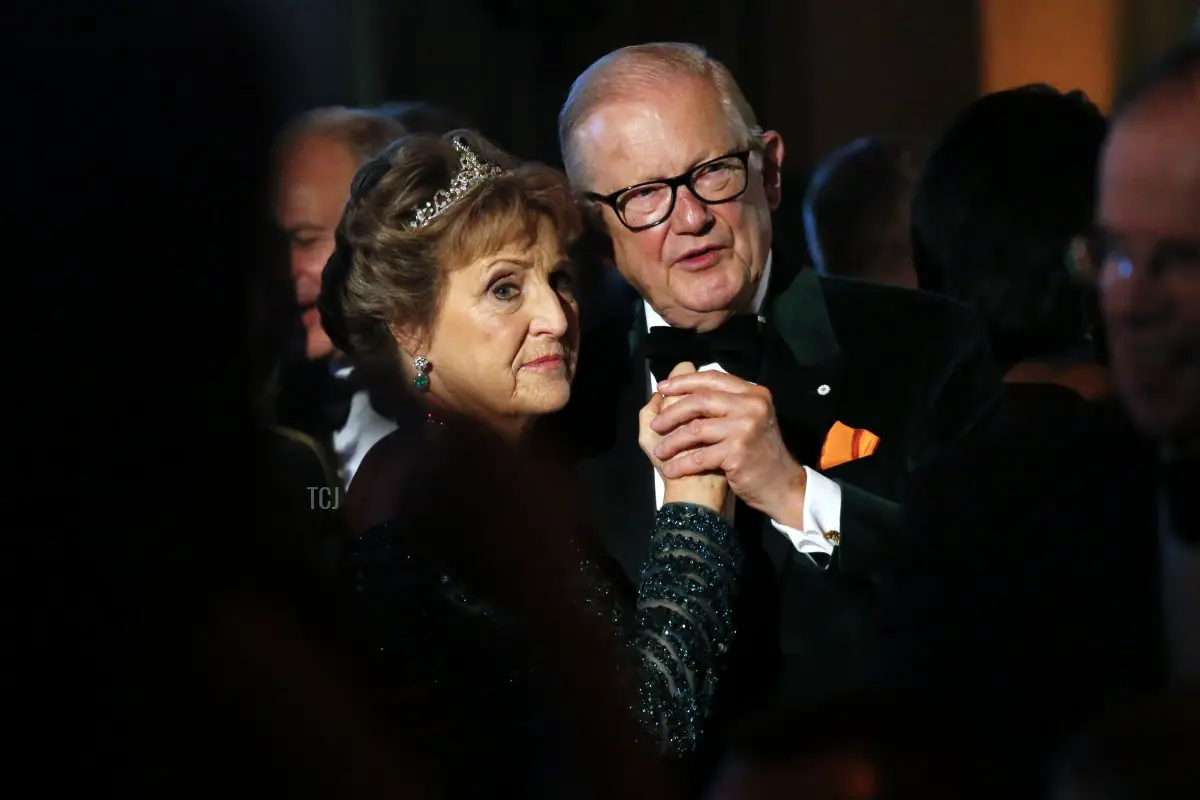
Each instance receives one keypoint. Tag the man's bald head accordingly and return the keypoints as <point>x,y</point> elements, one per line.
<point>638,70</point>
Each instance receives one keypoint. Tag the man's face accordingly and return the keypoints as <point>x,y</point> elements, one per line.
<point>703,262</point>
<point>1150,273</point>
<point>314,182</point>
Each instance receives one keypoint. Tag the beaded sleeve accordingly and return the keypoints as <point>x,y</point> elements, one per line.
<point>684,626</point>
<point>675,636</point>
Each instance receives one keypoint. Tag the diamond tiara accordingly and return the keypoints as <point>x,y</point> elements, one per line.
<point>472,172</point>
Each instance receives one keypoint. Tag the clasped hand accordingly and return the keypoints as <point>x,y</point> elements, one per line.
<point>709,489</point>
<point>713,422</point>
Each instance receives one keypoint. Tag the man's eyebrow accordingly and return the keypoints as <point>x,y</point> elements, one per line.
<point>704,159</point>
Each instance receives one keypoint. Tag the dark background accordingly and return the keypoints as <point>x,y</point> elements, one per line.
<point>821,72</point>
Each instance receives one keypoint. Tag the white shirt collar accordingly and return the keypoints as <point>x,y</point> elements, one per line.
<point>655,320</point>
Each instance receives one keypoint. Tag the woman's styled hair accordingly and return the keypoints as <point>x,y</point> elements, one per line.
<point>386,275</point>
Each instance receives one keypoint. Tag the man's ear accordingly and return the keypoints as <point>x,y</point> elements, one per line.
<point>772,168</point>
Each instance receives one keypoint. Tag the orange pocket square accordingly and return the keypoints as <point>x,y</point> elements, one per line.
<point>844,443</point>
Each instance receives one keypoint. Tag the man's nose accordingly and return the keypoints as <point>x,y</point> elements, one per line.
<point>302,267</point>
<point>307,268</point>
<point>691,214</point>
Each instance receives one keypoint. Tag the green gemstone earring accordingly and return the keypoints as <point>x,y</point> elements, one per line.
<point>421,365</point>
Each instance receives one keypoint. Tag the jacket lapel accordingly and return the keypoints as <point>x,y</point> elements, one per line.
<point>803,368</point>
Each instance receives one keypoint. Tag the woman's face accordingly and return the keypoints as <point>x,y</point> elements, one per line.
<point>505,342</point>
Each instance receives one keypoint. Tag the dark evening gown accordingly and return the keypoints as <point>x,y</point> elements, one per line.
<point>457,649</point>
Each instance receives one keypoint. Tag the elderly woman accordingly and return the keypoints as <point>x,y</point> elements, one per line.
<point>451,288</point>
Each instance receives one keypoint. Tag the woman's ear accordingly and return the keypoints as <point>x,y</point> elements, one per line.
<point>412,342</point>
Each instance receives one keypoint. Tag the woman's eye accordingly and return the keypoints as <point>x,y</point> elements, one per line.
<point>505,291</point>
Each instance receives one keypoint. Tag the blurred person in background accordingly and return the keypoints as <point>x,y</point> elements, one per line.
<point>857,211</point>
<point>1079,584</point>
<point>1147,250</point>
<point>317,156</point>
<point>1006,191</point>
<point>315,159</point>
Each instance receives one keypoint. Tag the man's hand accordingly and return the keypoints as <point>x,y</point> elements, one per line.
<point>723,423</point>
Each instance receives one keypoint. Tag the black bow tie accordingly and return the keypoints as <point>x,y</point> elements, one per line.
<point>736,346</point>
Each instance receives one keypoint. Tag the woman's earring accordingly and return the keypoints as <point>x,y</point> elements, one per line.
<point>421,365</point>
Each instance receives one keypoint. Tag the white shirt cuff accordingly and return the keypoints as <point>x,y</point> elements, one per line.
<point>822,516</point>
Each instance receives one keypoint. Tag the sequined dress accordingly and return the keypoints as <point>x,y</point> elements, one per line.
<point>458,645</point>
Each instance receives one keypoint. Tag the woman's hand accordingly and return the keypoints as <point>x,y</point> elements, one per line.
<point>710,490</point>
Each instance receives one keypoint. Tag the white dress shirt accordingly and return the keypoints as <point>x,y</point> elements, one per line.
<point>822,512</point>
<point>364,427</point>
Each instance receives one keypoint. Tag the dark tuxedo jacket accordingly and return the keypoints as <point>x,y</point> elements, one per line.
<point>910,367</point>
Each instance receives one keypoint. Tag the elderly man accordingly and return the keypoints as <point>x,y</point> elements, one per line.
<point>317,157</point>
<point>815,396</point>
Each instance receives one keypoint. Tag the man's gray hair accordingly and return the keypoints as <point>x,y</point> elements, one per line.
<point>362,132</point>
<point>630,71</point>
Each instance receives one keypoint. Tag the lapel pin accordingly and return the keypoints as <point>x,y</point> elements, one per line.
<point>823,389</point>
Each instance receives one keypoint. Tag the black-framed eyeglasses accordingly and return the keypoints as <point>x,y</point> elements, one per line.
<point>645,205</point>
